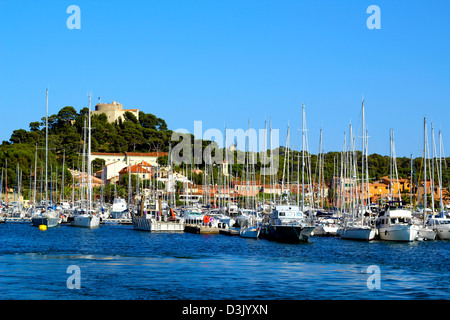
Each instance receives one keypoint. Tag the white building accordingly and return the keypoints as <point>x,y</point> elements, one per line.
<point>126,158</point>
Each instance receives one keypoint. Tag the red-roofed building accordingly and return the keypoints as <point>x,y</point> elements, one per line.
<point>142,169</point>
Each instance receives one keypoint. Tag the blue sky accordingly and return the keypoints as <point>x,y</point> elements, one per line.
<point>227,62</point>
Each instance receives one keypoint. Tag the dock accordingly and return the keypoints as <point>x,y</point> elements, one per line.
<point>197,229</point>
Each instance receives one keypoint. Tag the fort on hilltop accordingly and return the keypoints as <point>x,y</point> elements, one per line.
<point>113,111</point>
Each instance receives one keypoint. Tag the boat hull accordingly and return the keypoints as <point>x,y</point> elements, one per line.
<point>144,224</point>
<point>357,233</point>
<point>87,221</point>
<point>443,232</point>
<point>324,230</point>
<point>427,234</point>
<point>289,233</point>
<point>47,221</point>
<point>249,233</point>
<point>404,233</point>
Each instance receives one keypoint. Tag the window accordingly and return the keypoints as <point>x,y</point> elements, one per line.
<point>281,214</point>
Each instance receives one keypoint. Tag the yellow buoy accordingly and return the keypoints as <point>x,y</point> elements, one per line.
<point>42,227</point>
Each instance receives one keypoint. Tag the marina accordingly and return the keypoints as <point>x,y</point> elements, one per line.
<point>239,150</point>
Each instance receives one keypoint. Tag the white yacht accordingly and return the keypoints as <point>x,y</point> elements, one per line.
<point>426,233</point>
<point>396,225</point>
<point>287,224</point>
<point>85,219</point>
<point>193,216</point>
<point>441,226</point>
<point>357,232</point>
<point>119,208</point>
<point>326,226</point>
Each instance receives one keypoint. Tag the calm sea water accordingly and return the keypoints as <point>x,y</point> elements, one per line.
<point>117,262</point>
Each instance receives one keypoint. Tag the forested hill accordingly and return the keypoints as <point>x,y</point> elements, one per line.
<point>66,136</point>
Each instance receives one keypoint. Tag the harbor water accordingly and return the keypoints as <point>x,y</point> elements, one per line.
<point>115,262</point>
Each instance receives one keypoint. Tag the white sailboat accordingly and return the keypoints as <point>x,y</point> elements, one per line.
<point>249,229</point>
<point>395,224</point>
<point>47,216</point>
<point>441,223</point>
<point>426,232</point>
<point>87,217</point>
<point>359,229</point>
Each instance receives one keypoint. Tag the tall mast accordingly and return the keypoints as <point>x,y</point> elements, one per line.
<point>303,156</point>
<point>433,155</point>
<point>425,167</point>
<point>441,203</point>
<point>363,162</point>
<point>265,164</point>
<point>62,178</point>
<point>411,183</point>
<point>83,166</point>
<point>6,183</point>
<point>89,158</point>
<point>35,177</point>
<point>46,149</point>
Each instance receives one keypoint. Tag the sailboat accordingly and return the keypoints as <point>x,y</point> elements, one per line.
<point>358,229</point>
<point>441,223</point>
<point>426,232</point>
<point>250,224</point>
<point>47,216</point>
<point>395,223</point>
<point>87,217</point>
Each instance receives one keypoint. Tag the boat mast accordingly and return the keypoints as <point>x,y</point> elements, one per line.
<point>62,178</point>
<point>35,174</point>
<point>441,203</point>
<point>46,150</point>
<point>83,169</point>
<point>303,157</point>
<point>265,164</point>
<point>433,155</point>
<point>425,168</point>
<point>89,158</point>
<point>363,202</point>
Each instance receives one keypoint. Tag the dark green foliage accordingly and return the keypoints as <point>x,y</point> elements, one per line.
<point>66,136</point>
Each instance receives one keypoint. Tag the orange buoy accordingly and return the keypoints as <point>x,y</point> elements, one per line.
<point>206,219</point>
